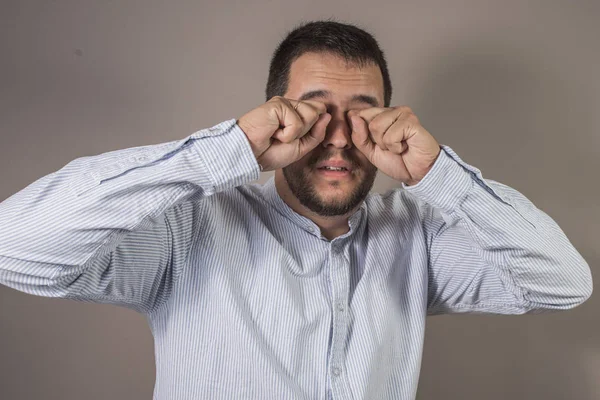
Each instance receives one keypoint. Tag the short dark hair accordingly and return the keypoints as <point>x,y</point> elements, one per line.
<point>348,41</point>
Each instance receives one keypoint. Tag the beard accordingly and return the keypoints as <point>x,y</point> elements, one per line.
<point>305,191</point>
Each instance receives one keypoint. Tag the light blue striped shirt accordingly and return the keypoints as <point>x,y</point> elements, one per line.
<point>246,299</point>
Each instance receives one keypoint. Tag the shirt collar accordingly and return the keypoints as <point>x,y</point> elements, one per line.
<point>273,198</point>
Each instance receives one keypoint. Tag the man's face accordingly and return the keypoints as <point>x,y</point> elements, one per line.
<point>327,78</point>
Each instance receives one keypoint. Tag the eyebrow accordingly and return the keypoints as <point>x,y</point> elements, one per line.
<point>360,98</point>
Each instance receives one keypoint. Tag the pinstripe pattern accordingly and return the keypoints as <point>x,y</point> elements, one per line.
<point>245,298</point>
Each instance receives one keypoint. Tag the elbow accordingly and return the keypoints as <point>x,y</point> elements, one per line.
<point>587,289</point>
<point>582,286</point>
<point>568,290</point>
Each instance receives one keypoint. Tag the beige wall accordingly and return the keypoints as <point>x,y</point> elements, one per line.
<point>512,86</point>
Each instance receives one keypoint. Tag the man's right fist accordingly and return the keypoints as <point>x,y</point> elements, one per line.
<point>282,131</point>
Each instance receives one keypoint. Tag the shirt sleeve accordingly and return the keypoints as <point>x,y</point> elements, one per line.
<point>490,249</point>
<point>117,227</point>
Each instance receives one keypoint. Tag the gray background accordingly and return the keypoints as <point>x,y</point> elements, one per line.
<point>512,86</point>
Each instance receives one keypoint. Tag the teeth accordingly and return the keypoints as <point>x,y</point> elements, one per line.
<point>335,168</point>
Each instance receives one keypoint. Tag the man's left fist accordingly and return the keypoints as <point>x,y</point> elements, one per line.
<point>394,141</point>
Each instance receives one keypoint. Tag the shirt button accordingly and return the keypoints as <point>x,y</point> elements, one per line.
<point>336,371</point>
<point>341,307</point>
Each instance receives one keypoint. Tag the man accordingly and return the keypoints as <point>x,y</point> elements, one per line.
<point>307,287</point>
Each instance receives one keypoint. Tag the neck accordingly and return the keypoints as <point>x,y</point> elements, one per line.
<point>331,227</point>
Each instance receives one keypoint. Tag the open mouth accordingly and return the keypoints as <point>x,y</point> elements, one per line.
<point>334,172</point>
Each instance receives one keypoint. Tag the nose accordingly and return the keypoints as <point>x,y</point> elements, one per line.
<point>338,133</point>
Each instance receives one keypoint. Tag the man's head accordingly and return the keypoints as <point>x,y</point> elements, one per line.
<point>342,66</point>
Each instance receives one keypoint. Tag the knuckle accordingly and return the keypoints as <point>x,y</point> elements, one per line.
<point>389,140</point>
<point>414,118</point>
<point>376,125</point>
<point>296,130</point>
<point>372,126</point>
<point>299,119</point>
<point>314,116</point>
<point>318,106</point>
<point>285,137</point>
<point>279,100</point>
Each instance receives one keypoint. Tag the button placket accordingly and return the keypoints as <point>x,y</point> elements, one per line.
<point>340,285</point>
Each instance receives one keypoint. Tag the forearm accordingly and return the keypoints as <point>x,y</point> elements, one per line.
<point>522,243</point>
<point>67,218</point>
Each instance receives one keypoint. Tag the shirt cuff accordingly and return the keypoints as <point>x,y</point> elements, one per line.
<point>447,182</point>
<point>226,154</point>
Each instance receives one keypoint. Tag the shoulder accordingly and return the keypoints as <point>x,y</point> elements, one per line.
<point>236,203</point>
<point>396,203</point>
<point>398,211</point>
